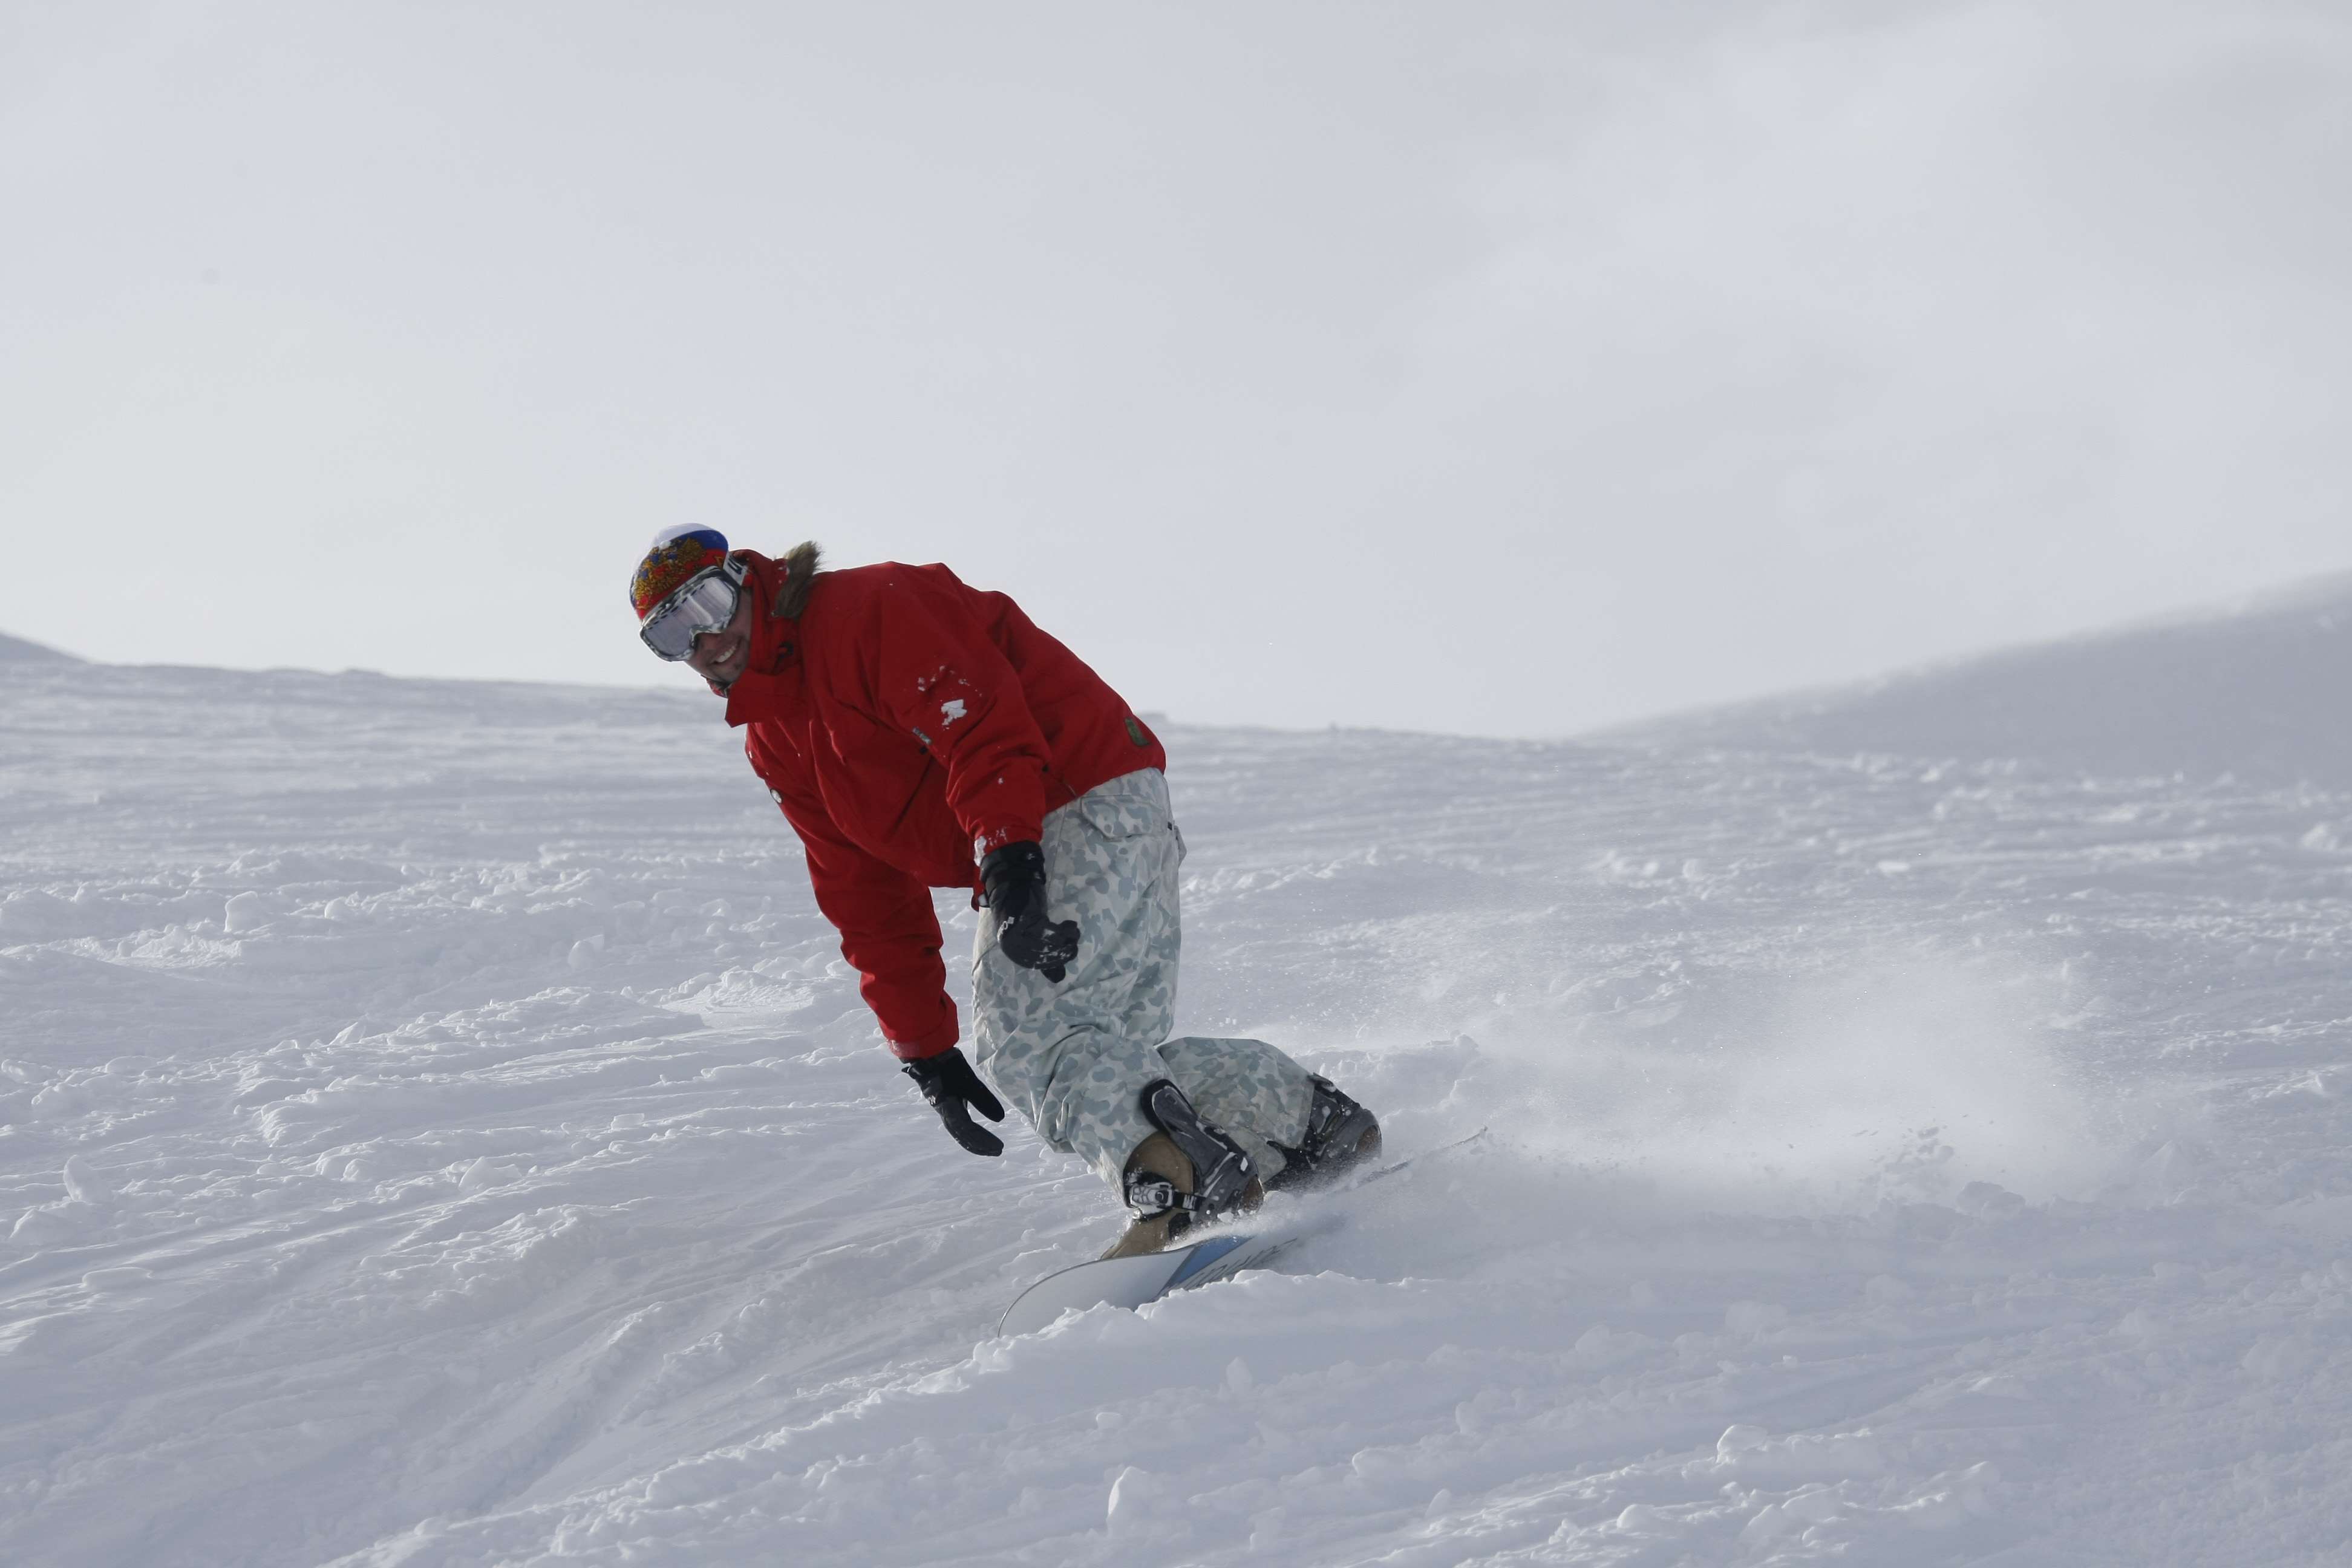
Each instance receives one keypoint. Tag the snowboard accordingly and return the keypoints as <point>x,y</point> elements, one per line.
<point>1132,1282</point>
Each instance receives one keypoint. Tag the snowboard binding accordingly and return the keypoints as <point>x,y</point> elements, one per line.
<point>1340,1133</point>
<point>1190,1173</point>
<point>1222,1173</point>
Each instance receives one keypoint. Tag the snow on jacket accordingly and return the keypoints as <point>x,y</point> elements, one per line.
<point>908,725</point>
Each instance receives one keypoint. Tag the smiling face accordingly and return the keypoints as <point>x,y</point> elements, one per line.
<point>721,655</point>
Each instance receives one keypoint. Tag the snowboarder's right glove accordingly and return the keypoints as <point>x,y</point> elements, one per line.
<point>955,1090</point>
<point>1015,875</point>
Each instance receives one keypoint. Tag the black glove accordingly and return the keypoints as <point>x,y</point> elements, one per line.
<point>1015,875</point>
<point>948,1081</point>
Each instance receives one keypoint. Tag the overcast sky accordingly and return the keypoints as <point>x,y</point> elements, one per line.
<point>1486,368</point>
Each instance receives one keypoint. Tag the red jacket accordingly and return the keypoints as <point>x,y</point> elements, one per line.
<point>908,725</point>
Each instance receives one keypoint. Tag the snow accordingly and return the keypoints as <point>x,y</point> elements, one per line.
<point>439,1129</point>
<point>2255,689</point>
<point>17,650</point>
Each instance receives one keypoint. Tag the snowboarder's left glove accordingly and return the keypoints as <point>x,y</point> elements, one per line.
<point>1015,875</point>
<point>955,1090</point>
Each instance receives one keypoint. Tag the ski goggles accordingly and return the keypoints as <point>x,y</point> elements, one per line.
<point>703,603</point>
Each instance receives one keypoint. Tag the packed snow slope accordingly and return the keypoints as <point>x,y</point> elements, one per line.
<point>2260,688</point>
<point>17,650</point>
<point>439,1129</point>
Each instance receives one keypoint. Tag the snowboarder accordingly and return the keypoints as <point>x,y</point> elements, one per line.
<point>920,734</point>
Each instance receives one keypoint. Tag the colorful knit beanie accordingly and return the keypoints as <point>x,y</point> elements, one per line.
<point>677,553</point>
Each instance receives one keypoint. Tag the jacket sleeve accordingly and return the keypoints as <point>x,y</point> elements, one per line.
<point>935,674</point>
<point>889,933</point>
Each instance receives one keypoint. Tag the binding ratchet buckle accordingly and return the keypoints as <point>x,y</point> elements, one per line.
<point>1151,1196</point>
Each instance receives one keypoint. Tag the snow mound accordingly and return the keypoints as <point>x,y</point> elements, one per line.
<point>2259,690</point>
<point>17,650</point>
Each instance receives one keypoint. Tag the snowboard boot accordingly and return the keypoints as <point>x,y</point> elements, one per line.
<point>1188,1172</point>
<point>1340,1133</point>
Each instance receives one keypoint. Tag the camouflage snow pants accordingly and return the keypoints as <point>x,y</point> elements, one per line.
<point>1074,1058</point>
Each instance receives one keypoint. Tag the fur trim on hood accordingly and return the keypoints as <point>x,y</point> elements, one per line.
<point>799,564</point>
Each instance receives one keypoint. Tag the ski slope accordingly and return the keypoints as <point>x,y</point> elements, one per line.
<point>439,1129</point>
